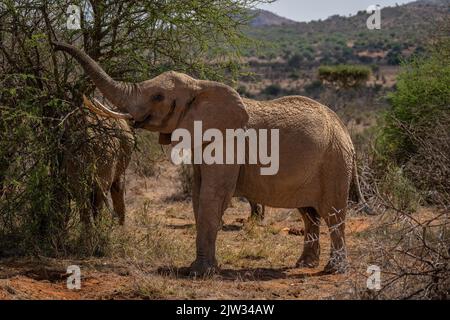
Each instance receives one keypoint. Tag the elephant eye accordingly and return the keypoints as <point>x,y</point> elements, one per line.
<point>157,98</point>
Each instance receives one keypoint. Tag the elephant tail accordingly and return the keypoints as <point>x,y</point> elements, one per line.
<point>356,192</point>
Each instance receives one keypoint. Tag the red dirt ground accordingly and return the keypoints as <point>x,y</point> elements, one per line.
<point>256,263</point>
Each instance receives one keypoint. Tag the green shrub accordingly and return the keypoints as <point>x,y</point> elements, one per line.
<point>41,203</point>
<point>422,97</point>
<point>414,133</point>
<point>148,152</point>
<point>345,76</point>
<point>399,191</point>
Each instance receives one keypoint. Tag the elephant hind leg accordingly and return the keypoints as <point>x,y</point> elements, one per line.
<point>334,216</point>
<point>117,196</point>
<point>332,208</point>
<point>311,246</point>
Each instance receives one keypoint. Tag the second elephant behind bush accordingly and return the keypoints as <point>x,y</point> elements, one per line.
<point>97,166</point>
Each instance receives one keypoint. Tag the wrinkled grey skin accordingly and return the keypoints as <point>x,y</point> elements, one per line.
<point>111,160</point>
<point>317,157</point>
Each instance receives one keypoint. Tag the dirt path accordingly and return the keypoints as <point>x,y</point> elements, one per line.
<point>150,255</point>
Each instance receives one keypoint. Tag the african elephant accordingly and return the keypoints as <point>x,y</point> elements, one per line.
<point>316,155</point>
<point>111,158</point>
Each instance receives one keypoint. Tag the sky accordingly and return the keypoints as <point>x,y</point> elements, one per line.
<point>307,10</point>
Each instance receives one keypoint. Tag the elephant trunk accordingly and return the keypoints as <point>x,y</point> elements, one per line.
<point>118,93</point>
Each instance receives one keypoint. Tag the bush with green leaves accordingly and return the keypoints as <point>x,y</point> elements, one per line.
<point>398,190</point>
<point>415,131</point>
<point>345,76</point>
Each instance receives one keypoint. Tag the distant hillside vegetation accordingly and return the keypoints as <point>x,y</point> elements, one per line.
<point>404,30</point>
<point>290,54</point>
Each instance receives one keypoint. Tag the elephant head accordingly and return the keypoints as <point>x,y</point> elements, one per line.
<point>169,101</point>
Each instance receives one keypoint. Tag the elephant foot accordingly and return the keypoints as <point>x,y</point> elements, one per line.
<point>336,265</point>
<point>202,268</point>
<point>307,261</point>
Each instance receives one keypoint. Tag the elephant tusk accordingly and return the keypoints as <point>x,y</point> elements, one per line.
<point>92,107</point>
<point>111,113</point>
<point>100,109</point>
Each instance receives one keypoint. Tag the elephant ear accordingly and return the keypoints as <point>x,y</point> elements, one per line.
<point>218,107</point>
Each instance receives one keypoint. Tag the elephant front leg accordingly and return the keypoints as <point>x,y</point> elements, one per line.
<point>311,247</point>
<point>196,190</point>
<point>208,222</point>
<point>217,188</point>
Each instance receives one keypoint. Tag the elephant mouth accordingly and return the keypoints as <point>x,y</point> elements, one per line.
<point>146,123</point>
<point>142,124</point>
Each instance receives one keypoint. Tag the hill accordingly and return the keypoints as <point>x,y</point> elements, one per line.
<point>404,29</point>
<point>289,53</point>
<point>431,2</point>
<point>265,18</point>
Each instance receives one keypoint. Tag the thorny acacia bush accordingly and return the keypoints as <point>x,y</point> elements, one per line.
<point>410,163</point>
<point>412,250</point>
<point>40,93</point>
<point>147,154</point>
<point>415,131</point>
<point>412,253</point>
